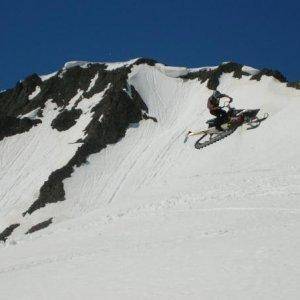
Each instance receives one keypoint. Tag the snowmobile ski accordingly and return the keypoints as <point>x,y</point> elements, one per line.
<point>256,122</point>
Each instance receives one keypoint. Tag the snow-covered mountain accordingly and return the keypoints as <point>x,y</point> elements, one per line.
<point>100,197</point>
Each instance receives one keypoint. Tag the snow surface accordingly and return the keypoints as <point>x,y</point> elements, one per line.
<point>202,69</point>
<point>113,66</point>
<point>34,93</point>
<point>250,70</point>
<point>153,218</point>
<point>47,76</point>
<point>109,65</point>
<point>172,71</point>
<point>92,83</point>
<point>71,64</point>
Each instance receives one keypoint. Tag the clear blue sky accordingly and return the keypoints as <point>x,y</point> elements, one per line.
<point>39,36</point>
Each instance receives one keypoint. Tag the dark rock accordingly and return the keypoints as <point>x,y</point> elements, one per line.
<point>8,231</point>
<point>40,113</point>
<point>52,190</point>
<point>295,85</point>
<point>148,61</point>
<point>66,119</point>
<point>201,75</point>
<point>14,100</point>
<point>214,75</point>
<point>10,126</point>
<point>39,226</point>
<point>268,72</point>
<point>30,83</point>
<point>146,117</point>
<point>120,110</point>
<point>138,99</point>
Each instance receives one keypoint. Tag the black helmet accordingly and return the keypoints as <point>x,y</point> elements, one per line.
<point>216,94</point>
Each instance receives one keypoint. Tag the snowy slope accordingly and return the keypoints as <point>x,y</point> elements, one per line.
<point>150,217</point>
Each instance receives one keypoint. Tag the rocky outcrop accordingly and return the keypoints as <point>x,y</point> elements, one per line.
<point>7,232</point>
<point>212,76</point>
<point>10,126</point>
<point>120,106</point>
<point>268,72</point>
<point>14,101</point>
<point>66,119</point>
<point>39,226</point>
<point>295,85</point>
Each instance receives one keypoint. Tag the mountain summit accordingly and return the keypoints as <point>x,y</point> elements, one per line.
<point>94,172</point>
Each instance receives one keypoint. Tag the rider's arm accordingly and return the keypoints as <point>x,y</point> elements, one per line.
<point>211,106</point>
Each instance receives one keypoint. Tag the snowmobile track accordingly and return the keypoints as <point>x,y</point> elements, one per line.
<point>219,137</point>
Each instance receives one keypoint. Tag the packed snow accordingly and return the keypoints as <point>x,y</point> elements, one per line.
<point>151,217</point>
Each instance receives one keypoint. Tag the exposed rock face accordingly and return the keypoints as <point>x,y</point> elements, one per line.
<point>66,119</point>
<point>213,75</point>
<point>40,226</point>
<point>295,85</point>
<point>15,101</point>
<point>111,118</point>
<point>7,232</point>
<point>268,72</point>
<point>118,111</point>
<point>148,61</point>
<point>11,125</point>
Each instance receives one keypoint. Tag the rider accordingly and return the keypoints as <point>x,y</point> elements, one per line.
<point>214,108</point>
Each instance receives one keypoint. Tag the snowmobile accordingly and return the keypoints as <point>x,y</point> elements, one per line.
<point>235,119</point>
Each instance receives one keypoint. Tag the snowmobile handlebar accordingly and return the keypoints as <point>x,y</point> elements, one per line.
<point>227,104</point>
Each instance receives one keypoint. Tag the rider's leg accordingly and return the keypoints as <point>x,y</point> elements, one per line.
<point>221,118</point>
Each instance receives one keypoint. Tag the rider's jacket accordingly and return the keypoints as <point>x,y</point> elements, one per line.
<point>214,101</point>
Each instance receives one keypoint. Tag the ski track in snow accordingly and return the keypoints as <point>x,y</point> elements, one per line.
<point>151,217</point>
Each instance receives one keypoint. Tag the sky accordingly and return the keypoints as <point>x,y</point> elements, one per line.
<point>40,36</point>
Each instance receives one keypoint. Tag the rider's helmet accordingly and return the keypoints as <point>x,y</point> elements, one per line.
<point>216,94</point>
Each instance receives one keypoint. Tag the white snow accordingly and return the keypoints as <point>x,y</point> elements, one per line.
<point>71,64</point>
<point>250,70</point>
<point>93,81</point>
<point>202,69</point>
<point>116,65</point>
<point>87,104</point>
<point>34,93</point>
<point>31,115</point>
<point>172,71</point>
<point>47,76</point>
<point>109,65</point>
<point>181,71</point>
<point>74,99</point>
<point>151,217</point>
